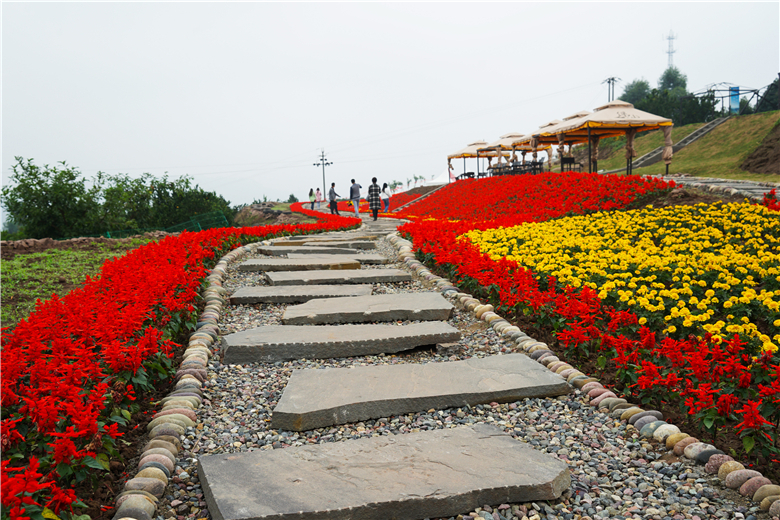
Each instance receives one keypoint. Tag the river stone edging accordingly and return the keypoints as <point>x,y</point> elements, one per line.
<point>650,423</point>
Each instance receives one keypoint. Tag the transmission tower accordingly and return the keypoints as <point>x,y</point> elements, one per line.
<point>671,37</point>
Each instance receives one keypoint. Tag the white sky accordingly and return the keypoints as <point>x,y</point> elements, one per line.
<point>242,96</point>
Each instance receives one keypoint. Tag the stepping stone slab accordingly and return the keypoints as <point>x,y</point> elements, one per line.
<point>316,398</point>
<point>299,241</point>
<point>327,276</point>
<point>303,264</point>
<point>430,474</point>
<point>351,244</point>
<point>274,343</point>
<point>305,250</point>
<point>296,293</point>
<point>427,306</point>
<point>368,258</point>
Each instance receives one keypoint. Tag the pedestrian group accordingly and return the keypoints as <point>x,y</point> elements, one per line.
<point>378,198</point>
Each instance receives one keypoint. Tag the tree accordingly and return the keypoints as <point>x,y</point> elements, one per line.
<point>56,202</point>
<point>683,110</point>
<point>49,201</point>
<point>744,107</point>
<point>674,81</point>
<point>768,101</point>
<point>636,91</point>
<point>394,184</point>
<point>292,198</point>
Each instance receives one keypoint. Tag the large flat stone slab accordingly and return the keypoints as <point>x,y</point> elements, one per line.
<point>429,474</point>
<point>363,258</point>
<point>300,240</point>
<point>274,343</point>
<point>305,250</point>
<point>426,306</point>
<point>294,264</point>
<point>296,293</point>
<point>352,244</point>
<point>318,398</point>
<point>317,277</point>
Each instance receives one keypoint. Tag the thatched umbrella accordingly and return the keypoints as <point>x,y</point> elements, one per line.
<point>505,144</point>
<point>617,118</point>
<point>472,150</point>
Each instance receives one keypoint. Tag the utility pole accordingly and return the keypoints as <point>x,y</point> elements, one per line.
<point>610,87</point>
<point>671,50</point>
<point>323,163</point>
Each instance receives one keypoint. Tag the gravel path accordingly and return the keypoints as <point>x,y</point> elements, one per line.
<point>615,474</point>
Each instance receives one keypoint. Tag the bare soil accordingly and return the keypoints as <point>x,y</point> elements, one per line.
<point>766,158</point>
<point>11,248</point>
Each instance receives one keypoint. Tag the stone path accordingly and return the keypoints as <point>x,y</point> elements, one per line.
<point>750,189</point>
<point>329,276</point>
<point>364,259</point>
<point>351,244</point>
<point>283,342</point>
<point>303,264</point>
<point>319,239</point>
<point>425,306</point>
<point>382,391</point>
<point>412,476</point>
<point>296,293</point>
<point>307,250</point>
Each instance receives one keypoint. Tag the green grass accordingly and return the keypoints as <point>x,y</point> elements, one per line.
<point>28,277</point>
<point>644,143</point>
<point>721,152</point>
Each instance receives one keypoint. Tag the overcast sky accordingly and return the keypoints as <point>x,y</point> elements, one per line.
<point>243,96</point>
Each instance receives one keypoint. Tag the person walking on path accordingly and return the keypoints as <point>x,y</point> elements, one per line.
<point>318,198</point>
<point>311,198</point>
<point>354,196</point>
<point>385,195</point>
<point>332,196</point>
<point>374,198</point>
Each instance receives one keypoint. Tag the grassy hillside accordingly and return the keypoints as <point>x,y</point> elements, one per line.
<point>643,143</point>
<point>721,152</point>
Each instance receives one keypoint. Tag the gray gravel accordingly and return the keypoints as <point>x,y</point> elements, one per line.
<point>614,473</point>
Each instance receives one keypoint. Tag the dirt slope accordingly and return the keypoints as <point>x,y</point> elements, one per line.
<point>766,158</point>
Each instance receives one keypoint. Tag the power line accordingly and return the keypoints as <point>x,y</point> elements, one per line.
<point>365,141</point>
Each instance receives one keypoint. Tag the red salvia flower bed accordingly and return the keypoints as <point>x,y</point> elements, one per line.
<point>71,370</point>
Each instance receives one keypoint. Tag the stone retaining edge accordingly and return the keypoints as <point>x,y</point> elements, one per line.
<point>652,425</point>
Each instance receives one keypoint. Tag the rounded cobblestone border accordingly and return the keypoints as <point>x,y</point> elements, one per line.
<point>140,495</point>
<point>649,423</point>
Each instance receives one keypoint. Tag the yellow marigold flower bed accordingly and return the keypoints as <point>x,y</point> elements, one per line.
<point>683,269</point>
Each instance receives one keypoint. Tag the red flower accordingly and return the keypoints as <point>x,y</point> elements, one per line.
<point>751,417</point>
<point>726,403</point>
